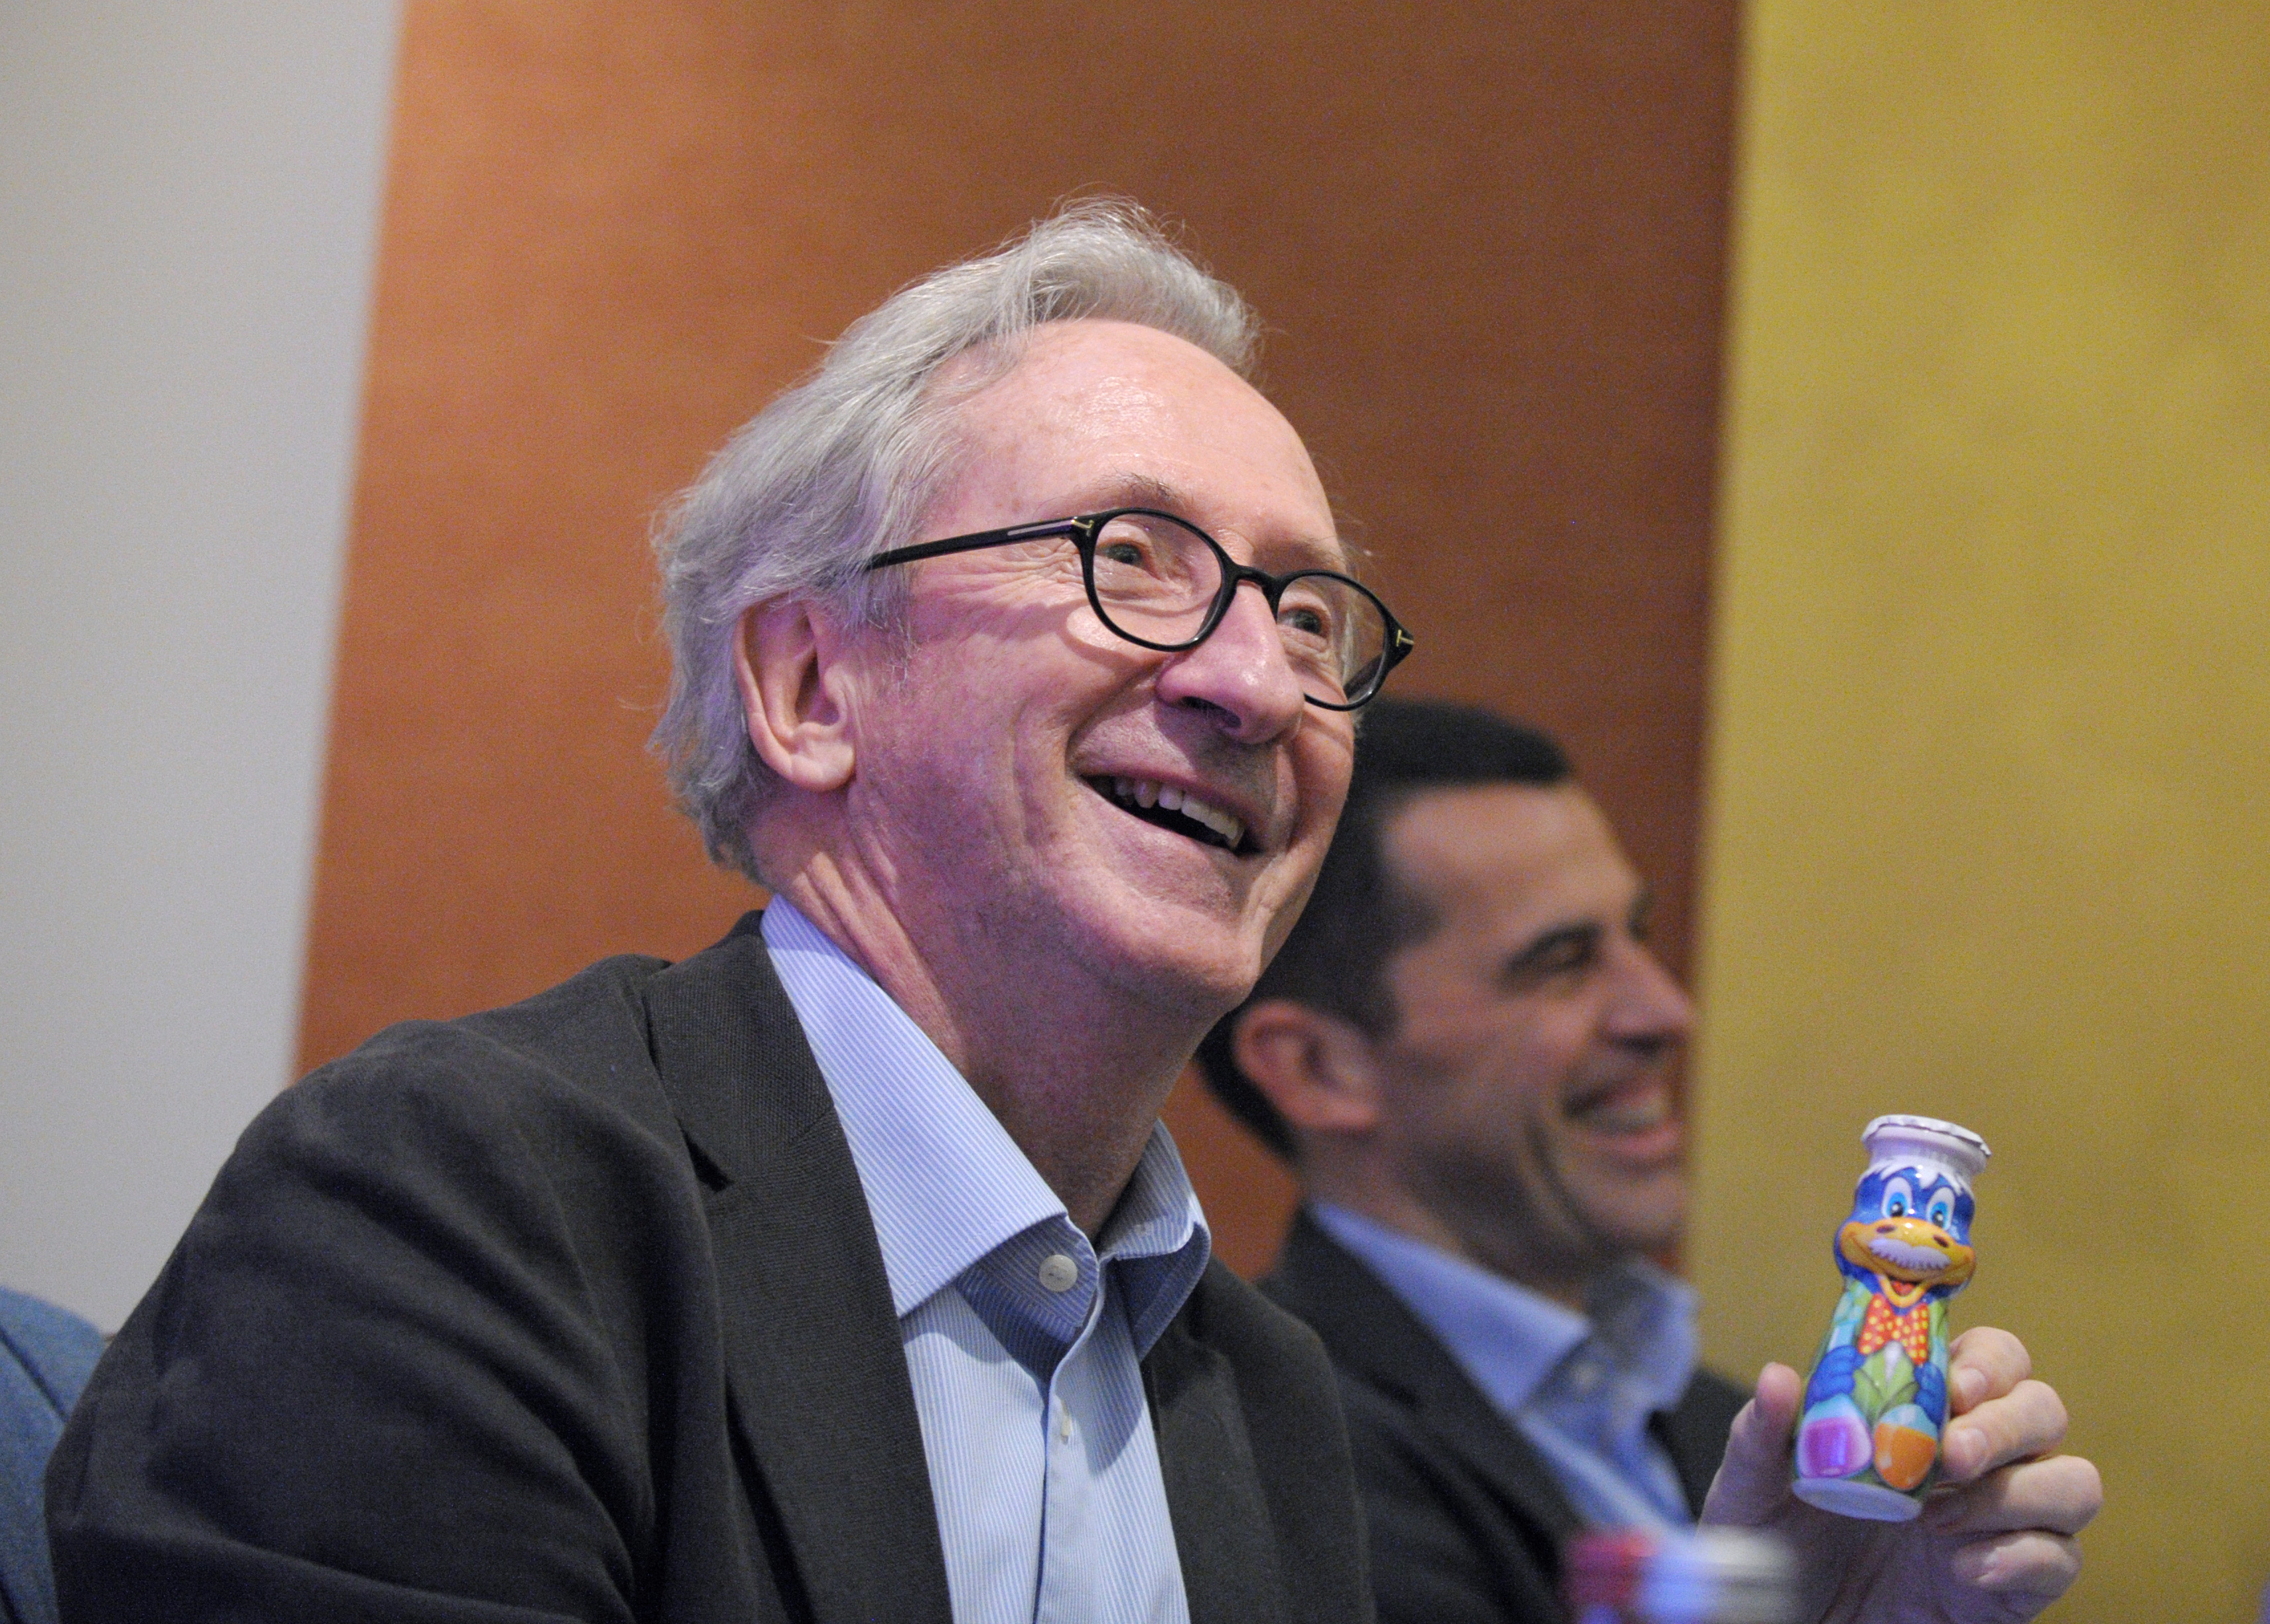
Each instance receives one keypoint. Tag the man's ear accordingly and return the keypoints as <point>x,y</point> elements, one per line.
<point>785,661</point>
<point>1318,1070</point>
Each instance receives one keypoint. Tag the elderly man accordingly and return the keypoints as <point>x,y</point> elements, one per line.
<point>1465,1050</point>
<point>841,1271</point>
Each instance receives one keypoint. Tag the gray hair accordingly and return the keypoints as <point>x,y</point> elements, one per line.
<point>842,465</point>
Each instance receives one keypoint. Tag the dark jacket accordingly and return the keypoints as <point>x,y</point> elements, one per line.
<point>1466,1519</point>
<point>574,1310</point>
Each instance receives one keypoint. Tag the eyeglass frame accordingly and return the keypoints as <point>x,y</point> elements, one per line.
<point>1085,528</point>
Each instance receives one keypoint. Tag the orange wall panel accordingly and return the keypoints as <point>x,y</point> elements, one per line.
<point>1489,242</point>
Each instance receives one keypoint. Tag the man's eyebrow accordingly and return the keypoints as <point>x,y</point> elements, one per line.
<point>1143,490</point>
<point>1136,490</point>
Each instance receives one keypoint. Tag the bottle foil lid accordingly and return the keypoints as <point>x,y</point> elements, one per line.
<point>1905,1141</point>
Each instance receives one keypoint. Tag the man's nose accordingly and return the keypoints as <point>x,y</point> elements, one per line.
<point>1242,671</point>
<point>1650,1004</point>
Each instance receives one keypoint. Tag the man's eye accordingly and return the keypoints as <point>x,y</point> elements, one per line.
<point>1547,959</point>
<point>1127,552</point>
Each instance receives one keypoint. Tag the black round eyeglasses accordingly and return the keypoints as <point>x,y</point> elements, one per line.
<point>1163,583</point>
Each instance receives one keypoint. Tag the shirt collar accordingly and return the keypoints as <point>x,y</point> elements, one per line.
<point>1511,1340</point>
<point>946,1185</point>
<point>1506,1337</point>
<point>1157,1240</point>
<point>1645,1318</point>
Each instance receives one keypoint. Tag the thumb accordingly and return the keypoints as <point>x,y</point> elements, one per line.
<point>1753,1481</point>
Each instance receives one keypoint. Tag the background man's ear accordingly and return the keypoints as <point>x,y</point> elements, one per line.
<point>1318,1070</point>
<point>792,694</point>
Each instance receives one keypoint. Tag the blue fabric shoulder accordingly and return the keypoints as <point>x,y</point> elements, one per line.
<point>45,1356</point>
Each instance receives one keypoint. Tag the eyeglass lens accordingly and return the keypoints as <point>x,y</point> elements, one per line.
<point>1157,579</point>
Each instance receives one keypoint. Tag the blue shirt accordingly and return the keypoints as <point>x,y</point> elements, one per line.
<point>45,1356</point>
<point>1022,1340</point>
<point>1580,1388</point>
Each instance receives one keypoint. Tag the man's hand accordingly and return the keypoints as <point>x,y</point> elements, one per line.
<point>1995,1541</point>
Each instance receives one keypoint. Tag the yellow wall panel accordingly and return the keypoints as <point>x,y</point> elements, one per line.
<point>1990,776</point>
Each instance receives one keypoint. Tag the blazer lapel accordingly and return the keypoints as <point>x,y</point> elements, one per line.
<point>1374,1337</point>
<point>821,1401</point>
<point>1221,1525</point>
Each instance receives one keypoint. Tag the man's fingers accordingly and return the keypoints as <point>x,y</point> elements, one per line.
<point>2026,1421</point>
<point>1984,1363</point>
<point>2059,1494</point>
<point>1753,1481</point>
<point>2033,1564</point>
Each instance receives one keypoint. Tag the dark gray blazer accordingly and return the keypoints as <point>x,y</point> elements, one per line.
<point>1466,1519</point>
<point>574,1310</point>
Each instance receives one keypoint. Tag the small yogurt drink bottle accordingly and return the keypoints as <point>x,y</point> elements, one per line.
<point>1875,1405</point>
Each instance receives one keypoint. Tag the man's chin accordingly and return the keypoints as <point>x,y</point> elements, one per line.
<point>1180,956</point>
<point>1644,1216</point>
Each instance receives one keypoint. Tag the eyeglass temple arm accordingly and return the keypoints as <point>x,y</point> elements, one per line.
<point>970,543</point>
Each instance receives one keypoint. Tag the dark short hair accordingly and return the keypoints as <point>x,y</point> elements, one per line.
<point>1359,918</point>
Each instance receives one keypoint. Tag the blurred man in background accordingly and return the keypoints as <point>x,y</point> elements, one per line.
<point>1468,1049</point>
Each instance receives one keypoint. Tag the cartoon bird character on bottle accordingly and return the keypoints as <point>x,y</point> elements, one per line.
<point>1876,1403</point>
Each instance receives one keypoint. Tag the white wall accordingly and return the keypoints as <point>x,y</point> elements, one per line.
<point>189,204</point>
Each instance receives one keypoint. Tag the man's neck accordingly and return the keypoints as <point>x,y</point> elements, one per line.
<point>1075,1073</point>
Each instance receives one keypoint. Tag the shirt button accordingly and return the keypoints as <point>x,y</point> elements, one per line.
<point>1064,1425</point>
<point>1059,1273</point>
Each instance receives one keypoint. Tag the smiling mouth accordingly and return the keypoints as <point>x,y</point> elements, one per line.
<point>1177,811</point>
<point>1626,1109</point>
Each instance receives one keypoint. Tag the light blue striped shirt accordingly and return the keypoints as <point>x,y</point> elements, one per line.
<point>1580,1389</point>
<point>1023,1342</point>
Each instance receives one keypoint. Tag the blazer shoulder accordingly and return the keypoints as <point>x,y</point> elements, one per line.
<point>544,1118</point>
<point>574,1054</point>
<point>582,1029</point>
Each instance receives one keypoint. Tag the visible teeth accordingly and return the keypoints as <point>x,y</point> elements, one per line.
<point>1623,1113</point>
<point>1149,793</point>
<point>1220,821</point>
